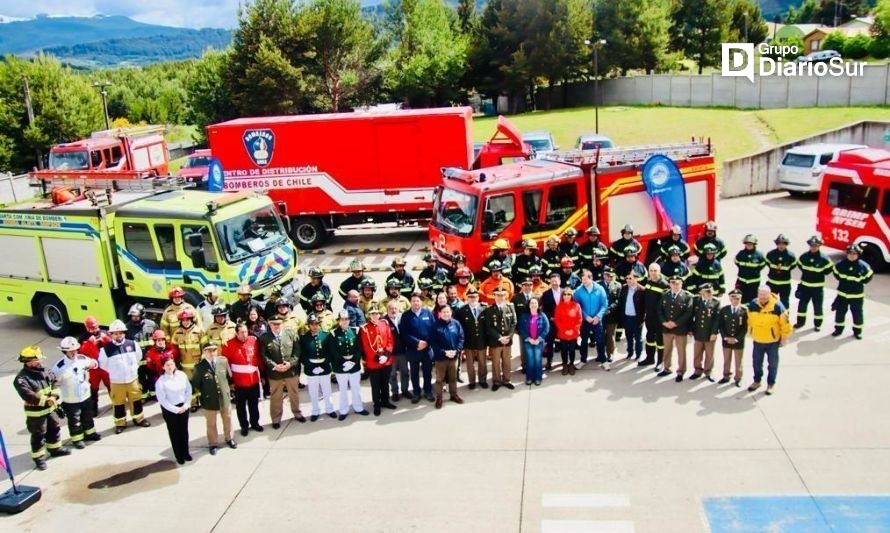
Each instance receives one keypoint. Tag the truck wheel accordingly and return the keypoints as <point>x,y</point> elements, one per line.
<point>54,316</point>
<point>873,256</point>
<point>308,233</point>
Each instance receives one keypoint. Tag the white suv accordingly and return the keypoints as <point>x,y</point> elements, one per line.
<point>802,167</point>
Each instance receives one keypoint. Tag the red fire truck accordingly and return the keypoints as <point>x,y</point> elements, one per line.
<point>330,170</point>
<point>539,198</point>
<point>854,204</point>
<point>138,149</point>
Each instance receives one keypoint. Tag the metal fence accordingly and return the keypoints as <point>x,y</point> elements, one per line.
<point>14,189</point>
<point>714,90</point>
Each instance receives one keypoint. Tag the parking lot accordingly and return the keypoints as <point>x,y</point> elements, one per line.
<point>599,451</point>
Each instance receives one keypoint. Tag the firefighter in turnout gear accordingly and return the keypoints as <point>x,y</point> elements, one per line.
<point>675,266</point>
<point>71,372</point>
<point>316,285</point>
<point>366,296</point>
<point>460,261</point>
<point>291,318</point>
<point>394,293</point>
<point>188,338</point>
<point>139,330</point>
<point>270,308</point>
<point>814,267</point>
<point>781,261</point>
<point>211,293</point>
<point>170,316</point>
<point>750,262</point>
<point>570,247</point>
<point>326,318</point>
<point>527,260</point>
<point>710,237</point>
<point>618,249</point>
<point>500,252</point>
<point>656,286</point>
<point>538,284</point>
<point>222,329</point>
<point>708,270</point>
<point>852,274</point>
<point>552,255</point>
<point>593,246</point>
<point>567,276</point>
<point>121,359</point>
<point>426,292</point>
<point>36,388</point>
<point>240,308</point>
<point>629,263</point>
<point>598,264</point>
<point>402,277</point>
<point>353,282</point>
<point>433,272</point>
<point>676,239</point>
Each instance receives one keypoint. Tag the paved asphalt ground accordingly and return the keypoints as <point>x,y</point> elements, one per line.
<point>600,451</point>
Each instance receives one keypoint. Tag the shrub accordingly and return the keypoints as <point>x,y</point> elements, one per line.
<point>857,47</point>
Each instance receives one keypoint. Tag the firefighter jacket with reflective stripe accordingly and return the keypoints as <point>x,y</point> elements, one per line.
<point>140,332</point>
<point>73,376</point>
<point>781,263</point>
<point>813,269</point>
<point>617,249</point>
<point>652,296</point>
<point>708,271</point>
<point>219,334</point>
<point>750,264</point>
<point>170,317</point>
<point>768,323</point>
<point>664,255</point>
<point>589,248</point>
<point>188,342</point>
<point>670,269</point>
<point>524,263</point>
<point>852,277</point>
<point>716,241</point>
<point>35,386</point>
<point>121,361</point>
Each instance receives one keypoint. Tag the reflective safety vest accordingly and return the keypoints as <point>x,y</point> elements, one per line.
<point>170,317</point>
<point>750,264</point>
<point>852,277</point>
<point>220,334</point>
<point>814,267</point>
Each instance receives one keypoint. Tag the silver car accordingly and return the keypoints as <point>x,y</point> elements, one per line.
<point>802,167</point>
<point>541,141</point>
<point>592,141</point>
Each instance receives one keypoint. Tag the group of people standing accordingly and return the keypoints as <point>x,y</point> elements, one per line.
<point>573,297</point>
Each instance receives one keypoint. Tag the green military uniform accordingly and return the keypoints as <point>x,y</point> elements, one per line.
<point>733,323</point>
<point>285,349</point>
<point>677,309</point>
<point>704,324</point>
<point>314,355</point>
<point>342,347</point>
<point>211,384</point>
<point>814,267</point>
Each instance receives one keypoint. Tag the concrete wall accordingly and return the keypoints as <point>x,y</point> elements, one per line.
<point>757,173</point>
<point>15,188</point>
<point>716,91</point>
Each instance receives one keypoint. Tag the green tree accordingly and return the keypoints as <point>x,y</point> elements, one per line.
<point>747,24</point>
<point>834,41</point>
<point>856,47</point>
<point>637,34</point>
<point>807,12</point>
<point>266,69</point>
<point>209,97</point>
<point>467,17</point>
<point>429,55</point>
<point>347,54</point>
<point>700,28</point>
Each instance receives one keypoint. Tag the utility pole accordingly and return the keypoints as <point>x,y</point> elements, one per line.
<point>103,86</point>
<point>30,111</point>
<point>596,43</point>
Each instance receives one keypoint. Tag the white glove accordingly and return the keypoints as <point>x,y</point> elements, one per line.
<point>382,359</point>
<point>347,366</point>
<point>318,370</point>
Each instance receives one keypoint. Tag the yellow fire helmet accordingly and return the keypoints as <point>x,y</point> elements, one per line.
<point>30,353</point>
<point>500,244</point>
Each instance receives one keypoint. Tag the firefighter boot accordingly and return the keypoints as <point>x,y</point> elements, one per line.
<point>40,462</point>
<point>838,330</point>
<point>59,452</point>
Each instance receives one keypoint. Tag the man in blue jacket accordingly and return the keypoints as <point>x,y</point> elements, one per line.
<point>415,328</point>
<point>447,343</point>
<point>594,302</point>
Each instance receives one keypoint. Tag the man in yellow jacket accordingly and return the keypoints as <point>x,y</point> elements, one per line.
<point>769,328</point>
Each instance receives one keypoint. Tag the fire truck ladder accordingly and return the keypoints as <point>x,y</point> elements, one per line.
<point>631,155</point>
<point>130,131</point>
<point>98,185</point>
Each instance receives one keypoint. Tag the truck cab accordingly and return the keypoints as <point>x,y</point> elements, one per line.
<point>140,149</point>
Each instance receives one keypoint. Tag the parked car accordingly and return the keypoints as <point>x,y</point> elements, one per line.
<point>819,56</point>
<point>802,166</point>
<point>592,141</point>
<point>195,167</point>
<point>541,141</point>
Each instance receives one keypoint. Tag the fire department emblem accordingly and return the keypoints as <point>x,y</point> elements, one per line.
<point>259,145</point>
<point>659,174</point>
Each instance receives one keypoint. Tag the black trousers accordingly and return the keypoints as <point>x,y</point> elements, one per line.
<point>379,382</point>
<point>80,419</point>
<point>654,341</point>
<point>44,429</point>
<point>840,313</point>
<point>178,429</point>
<point>567,351</point>
<point>417,364</point>
<point>749,290</point>
<point>247,402</point>
<point>783,290</point>
<point>805,295</point>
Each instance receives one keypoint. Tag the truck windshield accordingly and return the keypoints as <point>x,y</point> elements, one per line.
<point>246,235</point>
<point>69,161</point>
<point>197,161</point>
<point>454,212</point>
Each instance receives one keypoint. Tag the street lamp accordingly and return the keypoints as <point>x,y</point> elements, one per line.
<point>103,86</point>
<point>596,78</point>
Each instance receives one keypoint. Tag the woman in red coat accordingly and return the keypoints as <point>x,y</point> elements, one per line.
<point>567,321</point>
<point>377,345</point>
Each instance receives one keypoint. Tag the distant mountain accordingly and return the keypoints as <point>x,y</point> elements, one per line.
<point>106,40</point>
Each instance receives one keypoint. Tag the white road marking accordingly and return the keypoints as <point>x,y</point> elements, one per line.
<point>587,526</point>
<point>589,500</point>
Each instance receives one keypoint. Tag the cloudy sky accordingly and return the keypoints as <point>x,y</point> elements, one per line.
<point>184,13</point>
